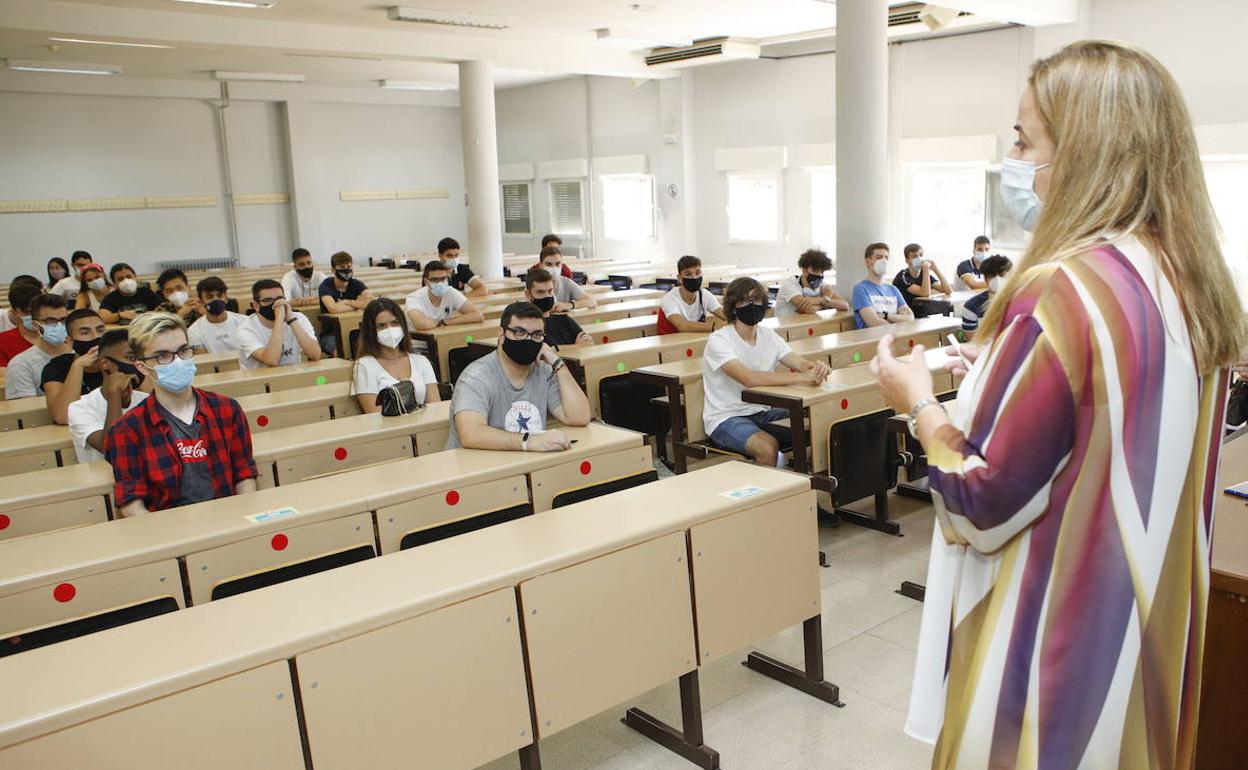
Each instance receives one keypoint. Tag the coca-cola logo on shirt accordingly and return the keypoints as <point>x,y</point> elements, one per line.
<point>192,451</point>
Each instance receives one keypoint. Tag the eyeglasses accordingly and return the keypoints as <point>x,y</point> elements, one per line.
<point>269,301</point>
<point>524,334</point>
<point>166,357</point>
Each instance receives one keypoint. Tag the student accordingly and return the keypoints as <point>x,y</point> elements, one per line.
<point>548,240</point>
<point>437,303</point>
<point>175,289</point>
<point>72,375</point>
<point>217,331</point>
<point>19,333</point>
<point>920,279</point>
<point>385,357</point>
<point>877,303</point>
<point>568,294</point>
<point>58,270</point>
<point>182,445</point>
<point>129,299</point>
<point>341,292</point>
<point>258,346</point>
<point>689,307</point>
<point>69,285</point>
<point>504,400</point>
<point>47,317</point>
<point>561,329</point>
<point>807,293</point>
<point>92,288</point>
<point>91,416</point>
<point>462,277</point>
<point>970,273</point>
<point>302,283</point>
<point>994,270</point>
<point>745,355</point>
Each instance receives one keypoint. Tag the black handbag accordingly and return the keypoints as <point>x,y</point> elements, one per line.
<point>397,399</point>
<point>1237,405</point>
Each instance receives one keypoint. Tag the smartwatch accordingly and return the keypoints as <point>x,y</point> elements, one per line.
<point>524,441</point>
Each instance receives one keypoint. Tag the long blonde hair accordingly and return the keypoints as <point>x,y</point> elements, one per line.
<point>1126,162</point>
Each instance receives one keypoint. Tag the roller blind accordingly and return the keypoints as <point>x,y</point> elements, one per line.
<point>566,208</point>
<point>517,211</point>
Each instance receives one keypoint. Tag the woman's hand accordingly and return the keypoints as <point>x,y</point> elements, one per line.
<point>902,383</point>
<point>959,364</point>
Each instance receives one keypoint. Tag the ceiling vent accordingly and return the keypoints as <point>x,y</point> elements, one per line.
<point>703,52</point>
<point>915,13</point>
<point>448,18</point>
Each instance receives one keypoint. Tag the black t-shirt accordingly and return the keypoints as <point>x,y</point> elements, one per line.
<point>194,451</point>
<point>57,370</point>
<point>142,301</point>
<point>905,280</point>
<point>561,329</point>
<point>460,278</point>
<point>355,287</point>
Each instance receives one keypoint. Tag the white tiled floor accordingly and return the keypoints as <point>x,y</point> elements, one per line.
<point>869,638</point>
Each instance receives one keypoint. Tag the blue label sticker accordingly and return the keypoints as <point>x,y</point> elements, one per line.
<point>740,493</point>
<point>280,513</point>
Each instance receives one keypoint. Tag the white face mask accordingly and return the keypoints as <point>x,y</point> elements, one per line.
<point>1018,190</point>
<point>994,284</point>
<point>390,337</point>
<point>880,267</point>
<point>916,263</point>
<point>178,298</point>
<point>97,284</point>
<point>128,286</point>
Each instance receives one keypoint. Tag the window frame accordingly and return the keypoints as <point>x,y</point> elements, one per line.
<point>550,195</point>
<point>780,225</point>
<point>502,204</point>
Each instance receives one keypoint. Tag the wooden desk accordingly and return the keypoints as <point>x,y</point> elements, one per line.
<point>249,382</point>
<point>33,449</point>
<point>209,363</point>
<point>299,406</point>
<point>591,364</point>
<point>802,325</point>
<point>47,500</point>
<point>19,413</point>
<point>857,346</point>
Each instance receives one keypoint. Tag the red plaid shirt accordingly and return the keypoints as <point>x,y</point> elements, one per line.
<point>146,464</point>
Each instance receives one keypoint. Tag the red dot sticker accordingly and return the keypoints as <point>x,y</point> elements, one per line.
<point>452,498</point>
<point>810,331</point>
<point>605,338</point>
<point>65,592</point>
<point>340,453</point>
<point>5,521</point>
<point>262,420</point>
<point>586,467</point>
<point>654,312</point>
<point>688,352</point>
<point>844,403</point>
<point>279,542</point>
<point>911,343</point>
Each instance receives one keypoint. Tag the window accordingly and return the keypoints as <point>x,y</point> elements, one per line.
<point>753,206</point>
<point>823,208</point>
<point>517,209</point>
<point>628,207</point>
<point>999,223</point>
<point>566,208</point>
<point>946,206</point>
<point>1227,179</point>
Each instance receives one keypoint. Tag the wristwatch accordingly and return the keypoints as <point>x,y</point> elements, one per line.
<point>524,441</point>
<point>885,312</point>
<point>913,417</point>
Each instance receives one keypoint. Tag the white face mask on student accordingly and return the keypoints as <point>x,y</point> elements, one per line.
<point>880,267</point>
<point>390,337</point>
<point>1018,190</point>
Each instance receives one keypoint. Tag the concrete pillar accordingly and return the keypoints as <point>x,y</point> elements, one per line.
<point>861,134</point>
<point>303,184</point>
<point>485,227</point>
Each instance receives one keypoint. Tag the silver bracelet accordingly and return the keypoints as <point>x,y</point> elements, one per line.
<point>919,406</point>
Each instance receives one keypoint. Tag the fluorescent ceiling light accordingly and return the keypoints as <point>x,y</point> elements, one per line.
<point>641,38</point>
<point>274,77</point>
<point>448,18</point>
<point>106,42</point>
<point>232,3</point>
<point>418,85</point>
<point>62,67</point>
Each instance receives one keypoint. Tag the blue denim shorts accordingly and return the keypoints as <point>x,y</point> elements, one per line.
<point>735,431</point>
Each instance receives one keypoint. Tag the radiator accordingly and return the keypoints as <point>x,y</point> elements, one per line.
<point>220,263</point>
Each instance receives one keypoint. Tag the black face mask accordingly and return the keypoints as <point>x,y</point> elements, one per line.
<point>523,352</point>
<point>83,347</point>
<point>692,285</point>
<point>751,314</point>
<point>344,275</point>
<point>545,304</point>
<point>304,272</point>
<point>216,307</point>
<point>814,281</point>
<point>136,377</point>
<point>268,313</point>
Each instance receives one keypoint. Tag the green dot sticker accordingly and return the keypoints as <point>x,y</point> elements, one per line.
<point>597,320</point>
<point>621,367</point>
<point>321,380</point>
<point>468,338</point>
<point>857,357</point>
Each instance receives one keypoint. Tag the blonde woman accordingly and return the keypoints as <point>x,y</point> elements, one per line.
<point>1073,480</point>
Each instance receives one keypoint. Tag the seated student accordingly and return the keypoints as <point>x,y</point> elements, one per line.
<point>689,307</point>
<point>437,303</point>
<point>462,277</point>
<point>550,239</point>
<point>58,270</point>
<point>568,293</point>
<point>385,357</point>
<point>217,331</point>
<point>47,313</point>
<point>19,333</point>
<point>877,303</point>
<point>302,284</point>
<point>92,289</point>
<point>921,279</point>
<point>70,284</point>
<point>807,293</point>
<point>745,355</point>
<point>175,289</point>
<point>561,329</point>
<point>91,416</point>
<point>72,375</point>
<point>259,346</point>
<point>970,271</point>
<point>129,299</point>
<point>994,270</point>
<point>342,292</point>
<point>182,445</point>
<point>504,400</point>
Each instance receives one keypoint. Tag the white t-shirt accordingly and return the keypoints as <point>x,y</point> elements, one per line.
<point>452,301</point>
<point>297,288</point>
<point>253,335</point>
<point>673,304</point>
<point>217,338</point>
<point>789,288</point>
<point>722,394</point>
<point>6,321</point>
<point>370,377</point>
<point>87,415</point>
<point>68,288</point>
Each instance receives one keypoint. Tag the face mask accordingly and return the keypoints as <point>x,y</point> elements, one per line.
<point>390,337</point>
<point>523,352</point>
<point>1018,182</point>
<point>267,313</point>
<point>452,264</point>
<point>814,281</point>
<point>96,284</point>
<point>751,314</point>
<point>994,284</point>
<point>125,367</point>
<point>304,272</point>
<point>439,289</point>
<point>177,375</point>
<point>692,285</point>
<point>216,307</point>
<point>28,322</point>
<point>978,257</point>
<point>344,275</point>
<point>128,286</point>
<point>880,267</point>
<point>178,298</point>
<point>916,263</point>
<point>54,334</point>
<point>554,269</point>
<point>57,273</point>
<point>83,347</point>
<point>545,304</point>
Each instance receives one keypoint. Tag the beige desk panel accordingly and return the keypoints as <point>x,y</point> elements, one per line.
<point>353,452</point>
<point>208,569</point>
<point>825,414</point>
<point>605,630</point>
<point>304,379</point>
<point>398,521</point>
<point>243,722</point>
<point>24,462</point>
<point>51,516</point>
<point>29,412</point>
<point>234,388</point>
<point>88,595</point>
<point>9,423</point>
<point>444,690</point>
<point>755,573</point>
<point>549,483</point>
<point>690,350</point>
<point>431,441</point>
<point>694,403</point>
<point>272,419</point>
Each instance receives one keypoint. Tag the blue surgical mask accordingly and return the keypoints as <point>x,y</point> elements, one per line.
<point>1018,190</point>
<point>54,333</point>
<point>916,263</point>
<point>177,375</point>
<point>28,322</point>
<point>439,289</point>
<point>451,263</point>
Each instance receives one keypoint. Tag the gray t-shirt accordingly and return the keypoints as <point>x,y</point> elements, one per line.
<point>196,479</point>
<point>24,374</point>
<point>567,289</point>
<point>484,388</point>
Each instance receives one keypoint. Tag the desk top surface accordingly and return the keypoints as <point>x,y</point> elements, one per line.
<point>1230,520</point>
<point>312,394</point>
<point>842,382</point>
<point>361,427</point>
<point>873,334</point>
<point>272,372</point>
<point>586,353</point>
<point>801,319</point>
<point>44,437</point>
